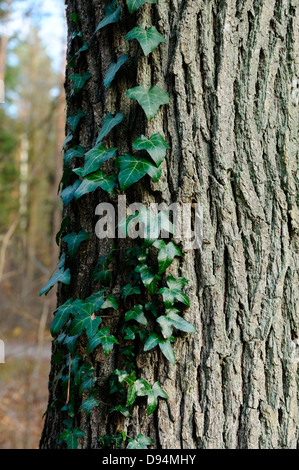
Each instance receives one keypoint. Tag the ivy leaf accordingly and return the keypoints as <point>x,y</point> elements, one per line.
<point>130,290</point>
<point>70,342</point>
<point>108,124</point>
<point>155,146</point>
<point>180,323</point>
<point>94,181</point>
<point>167,350</point>
<point>166,254</point>
<point>148,277</point>
<point>74,240</point>
<point>151,100</point>
<point>133,5</point>
<point>75,18</point>
<point>61,317</point>
<point>136,314</point>
<point>174,291</point>
<point>110,302</point>
<point>142,442</point>
<point>112,15</point>
<point>121,409</point>
<point>71,436</point>
<point>67,195</point>
<point>151,342</point>
<point>76,151</point>
<point>95,158</point>
<point>80,80</point>
<point>85,318</point>
<point>104,338</point>
<point>114,68</point>
<point>75,119</point>
<point>63,226</point>
<point>152,397</point>
<point>97,299</point>
<point>88,405</point>
<point>59,276</point>
<point>68,138</point>
<point>133,169</point>
<point>87,384</point>
<point>148,40</point>
<point>166,326</point>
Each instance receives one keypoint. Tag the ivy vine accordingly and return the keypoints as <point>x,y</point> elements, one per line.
<point>142,321</point>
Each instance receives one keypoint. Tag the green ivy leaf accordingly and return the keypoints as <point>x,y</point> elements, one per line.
<point>136,314</point>
<point>108,124</point>
<point>71,436</point>
<point>112,15</point>
<point>60,276</point>
<point>155,146</point>
<point>148,277</point>
<point>148,40</point>
<point>110,302</point>
<point>167,350</point>
<point>178,322</point>
<point>73,241</point>
<point>95,158</point>
<point>104,338</point>
<point>85,318</point>
<point>151,100</point>
<point>75,119</point>
<point>61,317</point>
<point>133,5</point>
<point>80,80</point>
<point>63,226</point>
<point>87,384</point>
<point>151,342</point>
<point>94,181</point>
<point>133,169</point>
<point>67,195</point>
<point>88,405</point>
<point>121,409</point>
<point>142,442</point>
<point>166,254</point>
<point>174,292</point>
<point>75,18</point>
<point>129,290</point>
<point>68,139</point>
<point>76,151</point>
<point>113,69</point>
<point>97,299</point>
<point>166,326</point>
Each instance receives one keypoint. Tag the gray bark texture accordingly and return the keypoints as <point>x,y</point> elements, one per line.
<point>231,68</point>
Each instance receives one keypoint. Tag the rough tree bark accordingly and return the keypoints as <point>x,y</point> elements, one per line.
<point>231,69</point>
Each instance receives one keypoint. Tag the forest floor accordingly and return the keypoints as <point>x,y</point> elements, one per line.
<point>23,392</point>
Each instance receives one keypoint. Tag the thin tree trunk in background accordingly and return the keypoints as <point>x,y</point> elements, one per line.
<point>231,70</point>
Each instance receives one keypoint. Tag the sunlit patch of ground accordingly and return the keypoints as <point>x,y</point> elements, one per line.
<point>23,393</point>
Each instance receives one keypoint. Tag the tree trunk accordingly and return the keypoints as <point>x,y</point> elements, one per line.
<point>232,124</point>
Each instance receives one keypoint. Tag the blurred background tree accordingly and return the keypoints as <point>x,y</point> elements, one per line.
<point>32,121</point>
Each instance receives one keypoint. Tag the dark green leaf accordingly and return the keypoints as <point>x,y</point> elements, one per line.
<point>110,302</point>
<point>133,169</point>
<point>130,290</point>
<point>95,158</point>
<point>63,226</point>
<point>71,436</point>
<point>166,254</point>
<point>61,317</point>
<point>151,100</point>
<point>152,341</point>
<point>167,350</point>
<point>68,138</point>
<point>80,80</point>
<point>104,338</point>
<point>136,314</point>
<point>76,151</point>
<point>67,194</point>
<point>88,405</point>
<point>155,146</point>
<point>60,276</point>
<point>113,69</point>
<point>108,124</point>
<point>112,15</point>
<point>148,277</point>
<point>75,119</point>
<point>142,442</point>
<point>74,240</point>
<point>148,39</point>
<point>133,5</point>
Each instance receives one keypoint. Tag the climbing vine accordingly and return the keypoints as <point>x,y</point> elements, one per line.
<point>147,262</point>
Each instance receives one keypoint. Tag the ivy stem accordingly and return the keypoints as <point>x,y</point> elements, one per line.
<point>69,380</point>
